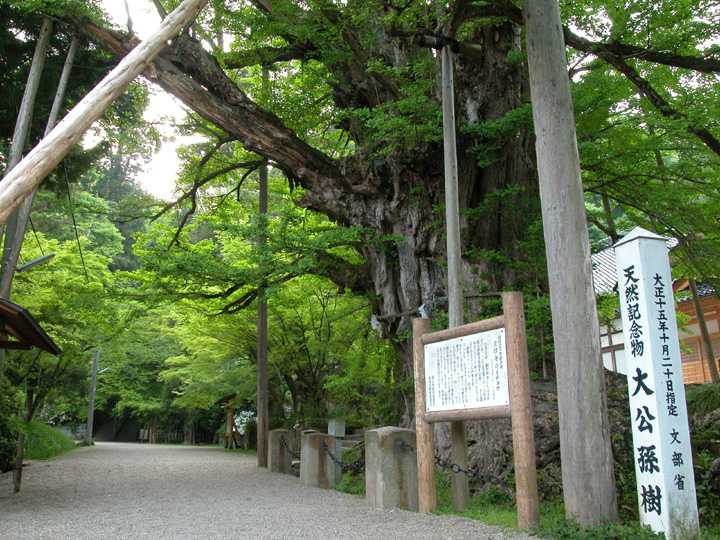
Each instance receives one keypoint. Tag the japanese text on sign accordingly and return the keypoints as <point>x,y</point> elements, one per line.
<point>467,372</point>
<point>663,461</point>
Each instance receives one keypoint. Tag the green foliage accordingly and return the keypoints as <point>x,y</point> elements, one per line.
<point>702,398</point>
<point>351,482</point>
<point>57,7</point>
<point>491,136</point>
<point>707,488</point>
<point>45,442</point>
<point>554,525</point>
<point>9,425</point>
<point>354,484</point>
<point>490,506</point>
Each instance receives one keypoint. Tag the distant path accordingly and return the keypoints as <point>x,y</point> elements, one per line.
<point>117,490</point>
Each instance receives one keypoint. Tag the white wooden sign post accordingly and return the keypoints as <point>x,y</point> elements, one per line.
<point>661,438</point>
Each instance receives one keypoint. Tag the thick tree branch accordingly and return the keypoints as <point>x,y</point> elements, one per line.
<point>622,50</point>
<point>505,8</point>
<point>660,103</point>
<point>346,275</point>
<point>266,56</point>
<point>193,75</point>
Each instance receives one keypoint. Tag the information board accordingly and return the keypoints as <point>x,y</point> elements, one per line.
<point>467,372</point>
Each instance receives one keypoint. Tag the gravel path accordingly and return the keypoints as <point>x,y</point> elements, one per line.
<point>116,490</point>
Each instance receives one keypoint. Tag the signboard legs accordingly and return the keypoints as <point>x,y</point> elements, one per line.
<point>425,444</point>
<point>521,411</point>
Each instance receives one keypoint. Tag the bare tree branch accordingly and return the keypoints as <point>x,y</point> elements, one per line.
<point>661,104</point>
<point>266,56</point>
<point>622,50</point>
<point>160,9</point>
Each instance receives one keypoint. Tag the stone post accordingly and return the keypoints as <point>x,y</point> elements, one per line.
<point>279,457</point>
<point>336,427</point>
<point>316,466</point>
<point>391,468</point>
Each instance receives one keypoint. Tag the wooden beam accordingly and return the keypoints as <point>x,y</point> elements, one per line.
<point>464,330</point>
<point>526,490</point>
<point>31,171</point>
<point>501,411</point>
<point>15,345</point>
<point>585,450</point>
<point>425,436</point>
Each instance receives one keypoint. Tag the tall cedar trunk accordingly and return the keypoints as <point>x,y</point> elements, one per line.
<point>152,430</point>
<point>229,427</point>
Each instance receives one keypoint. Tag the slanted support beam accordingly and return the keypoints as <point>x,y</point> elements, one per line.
<point>31,171</point>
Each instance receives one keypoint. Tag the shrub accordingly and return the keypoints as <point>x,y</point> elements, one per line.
<point>45,442</point>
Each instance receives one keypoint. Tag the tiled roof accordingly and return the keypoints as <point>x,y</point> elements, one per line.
<point>604,272</point>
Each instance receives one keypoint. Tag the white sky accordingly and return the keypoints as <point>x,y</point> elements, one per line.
<point>164,110</point>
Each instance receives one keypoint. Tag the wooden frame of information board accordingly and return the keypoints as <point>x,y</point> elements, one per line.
<point>519,410</point>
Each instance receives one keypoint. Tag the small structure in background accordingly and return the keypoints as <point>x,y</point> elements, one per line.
<point>21,331</point>
<point>695,369</point>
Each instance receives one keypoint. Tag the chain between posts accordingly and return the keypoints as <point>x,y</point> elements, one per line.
<point>284,444</point>
<point>471,472</point>
<point>356,467</point>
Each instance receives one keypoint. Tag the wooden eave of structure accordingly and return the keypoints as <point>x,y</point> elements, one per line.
<point>16,322</point>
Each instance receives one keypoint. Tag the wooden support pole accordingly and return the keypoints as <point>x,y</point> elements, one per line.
<point>425,436</point>
<point>460,488</point>
<point>28,174</point>
<point>262,403</point>
<point>20,135</point>
<point>521,411</point>
<point>586,454</point>
<point>91,401</point>
<point>17,224</point>
<point>262,342</point>
<point>25,114</point>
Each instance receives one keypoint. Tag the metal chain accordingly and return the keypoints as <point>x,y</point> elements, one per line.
<point>402,445</point>
<point>356,467</point>
<point>472,472</point>
<point>284,444</point>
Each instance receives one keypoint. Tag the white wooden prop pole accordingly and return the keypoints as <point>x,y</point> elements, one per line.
<point>28,174</point>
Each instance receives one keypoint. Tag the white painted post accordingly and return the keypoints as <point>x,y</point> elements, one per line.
<point>661,438</point>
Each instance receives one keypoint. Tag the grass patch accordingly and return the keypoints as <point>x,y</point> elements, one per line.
<point>495,507</point>
<point>45,442</point>
<point>352,483</point>
<point>245,451</point>
<point>491,506</point>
